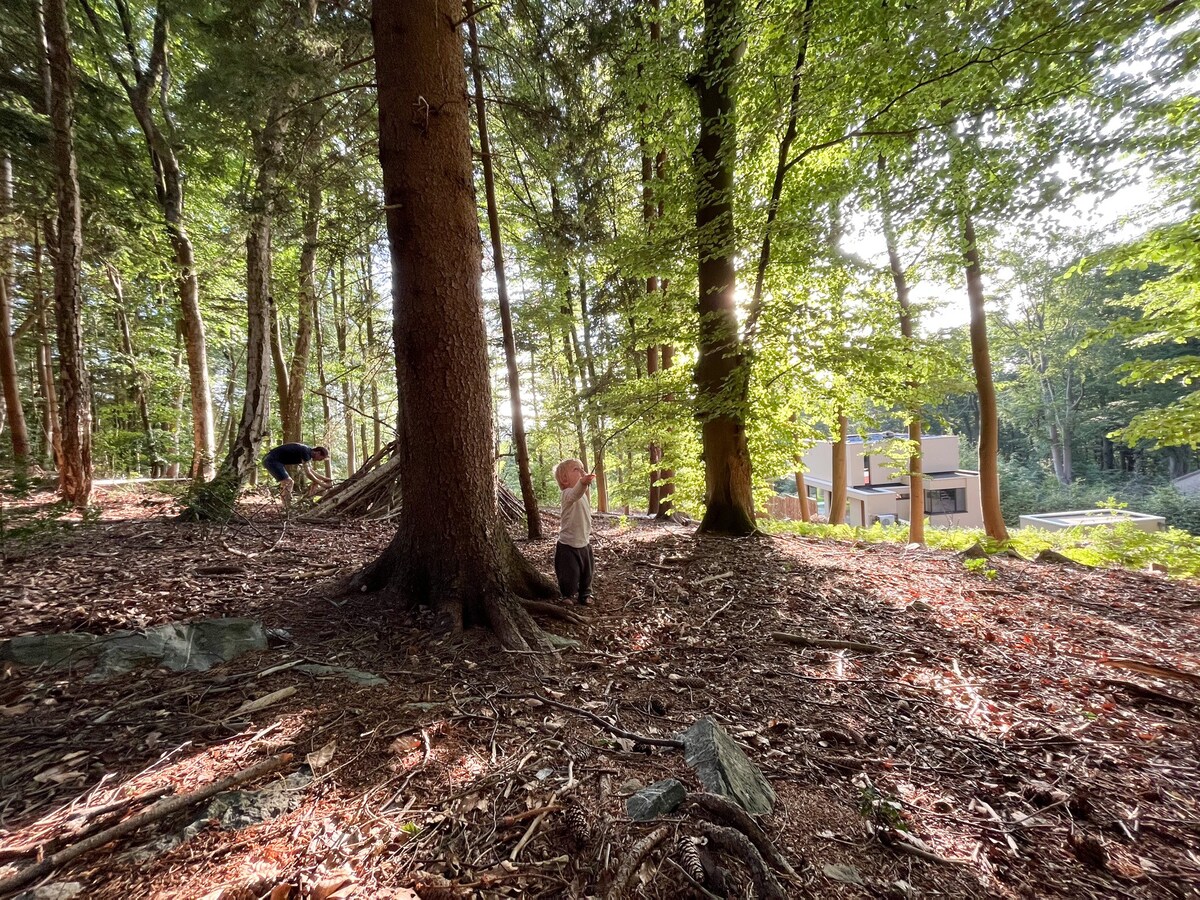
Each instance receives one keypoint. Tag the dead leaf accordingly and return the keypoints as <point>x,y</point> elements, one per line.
<point>11,712</point>
<point>336,887</point>
<point>319,759</point>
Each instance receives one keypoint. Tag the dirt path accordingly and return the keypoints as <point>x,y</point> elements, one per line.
<point>994,720</point>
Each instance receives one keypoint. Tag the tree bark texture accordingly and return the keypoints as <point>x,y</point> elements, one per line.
<point>729,504</point>
<point>837,496</point>
<point>51,432</point>
<point>528,497</point>
<point>450,549</point>
<point>75,471</point>
<point>916,482</point>
<point>15,413</point>
<point>989,431</point>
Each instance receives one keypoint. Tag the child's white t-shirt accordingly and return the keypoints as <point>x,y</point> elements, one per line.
<point>575,528</point>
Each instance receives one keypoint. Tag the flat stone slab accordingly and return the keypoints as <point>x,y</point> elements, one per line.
<point>724,769</point>
<point>659,799</point>
<point>179,646</point>
<point>358,676</point>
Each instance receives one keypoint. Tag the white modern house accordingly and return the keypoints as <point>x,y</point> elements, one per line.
<point>878,492</point>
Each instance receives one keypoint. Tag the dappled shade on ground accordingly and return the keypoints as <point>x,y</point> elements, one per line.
<point>997,722</point>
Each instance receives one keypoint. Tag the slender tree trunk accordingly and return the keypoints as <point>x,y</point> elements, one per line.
<point>137,381</point>
<point>989,436</point>
<point>528,497</point>
<point>373,346</point>
<point>837,496</point>
<point>325,411</point>
<point>75,472</point>
<point>450,549</point>
<point>652,504</point>
<point>802,493</point>
<point>594,420</point>
<point>279,364</point>
<point>781,169</point>
<point>1068,457</point>
<point>18,433</point>
<point>340,326</point>
<point>916,482</point>
<point>292,406</point>
<point>52,443</point>
<point>729,503</point>
<point>666,477</point>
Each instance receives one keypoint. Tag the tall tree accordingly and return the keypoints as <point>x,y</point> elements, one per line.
<point>728,500</point>
<point>18,434</point>
<point>528,497</point>
<point>75,469</point>
<point>145,85</point>
<point>450,549</point>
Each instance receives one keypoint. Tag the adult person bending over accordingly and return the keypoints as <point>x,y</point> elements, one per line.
<point>295,455</point>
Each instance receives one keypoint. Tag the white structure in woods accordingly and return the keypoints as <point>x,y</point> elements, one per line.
<point>878,492</point>
<point>1187,484</point>
<point>1093,518</point>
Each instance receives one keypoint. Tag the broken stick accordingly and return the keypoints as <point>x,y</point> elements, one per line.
<point>159,811</point>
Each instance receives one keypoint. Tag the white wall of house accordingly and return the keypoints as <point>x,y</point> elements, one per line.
<point>939,453</point>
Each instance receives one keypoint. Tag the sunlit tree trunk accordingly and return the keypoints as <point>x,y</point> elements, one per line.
<point>528,497</point>
<point>989,431</point>
<point>837,496</point>
<point>450,550</point>
<point>340,327</point>
<point>729,504</point>
<point>75,470</point>
<point>916,482</point>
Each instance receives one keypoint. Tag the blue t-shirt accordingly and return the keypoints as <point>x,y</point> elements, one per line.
<point>291,454</point>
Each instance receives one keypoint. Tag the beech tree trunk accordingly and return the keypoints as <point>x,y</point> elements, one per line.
<point>916,482</point>
<point>450,549</point>
<point>51,432</point>
<point>18,433</point>
<point>729,504</point>
<point>666,477</point>
<point>989,431</point>
<point>75,470</point>
<point>837,496</point>
<point>528,497</point>
<point>216,500</point>
<point>143,92</point>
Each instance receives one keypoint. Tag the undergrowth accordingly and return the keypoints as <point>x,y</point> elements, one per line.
<point>1122,545</point>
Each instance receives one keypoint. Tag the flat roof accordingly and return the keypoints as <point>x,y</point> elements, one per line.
<point>1090,516</point>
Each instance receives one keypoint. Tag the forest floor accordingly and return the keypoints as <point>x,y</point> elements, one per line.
<point>1023,730</point>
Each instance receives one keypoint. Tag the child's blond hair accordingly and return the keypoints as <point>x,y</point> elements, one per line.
<point>563,466</point>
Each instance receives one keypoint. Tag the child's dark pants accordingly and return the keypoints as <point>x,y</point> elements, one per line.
<point>573,566</point>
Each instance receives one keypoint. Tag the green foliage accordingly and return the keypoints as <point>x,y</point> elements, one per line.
<point>1122,545</point>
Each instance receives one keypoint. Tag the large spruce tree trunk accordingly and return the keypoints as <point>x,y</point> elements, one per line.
<point>75,470</point>
<point>916,482</point>
<point>729,504</point>
<point>981,360</point>
<point>528,497</point>
<point>18,433</point>
<point>450,549</point>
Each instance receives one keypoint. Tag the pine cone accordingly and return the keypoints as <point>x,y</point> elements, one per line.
<point>578,824</point>
<point>689,858</point>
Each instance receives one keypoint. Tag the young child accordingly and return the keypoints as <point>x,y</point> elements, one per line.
<point>573,553</point>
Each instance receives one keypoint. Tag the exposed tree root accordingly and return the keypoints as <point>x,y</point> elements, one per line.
<point>633,860</point>
<point>718,808</point>
<point>737,845</point>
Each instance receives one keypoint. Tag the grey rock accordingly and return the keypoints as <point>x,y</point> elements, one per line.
<point>659,799</point>
<point>724,769</point>
<point>358,676</point>
<point>179,646</point>
<point>844,874</point>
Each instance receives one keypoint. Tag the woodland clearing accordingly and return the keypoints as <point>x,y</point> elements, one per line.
<point>1036,729</point>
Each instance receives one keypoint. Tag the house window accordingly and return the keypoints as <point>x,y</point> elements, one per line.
<point>943,501</point>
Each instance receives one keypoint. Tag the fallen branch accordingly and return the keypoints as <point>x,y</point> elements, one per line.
<point>732,814</point>
<point>711,578</point>
<point>1149,668</point>
<point>603,723</point>
<point>692,881</point>
<point>801,640</point>
<point>1144,690</point>
<point>153,814</point>
<point>633,861</point>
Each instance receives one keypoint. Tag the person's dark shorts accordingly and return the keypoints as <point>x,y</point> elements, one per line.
<point>276,468</point>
